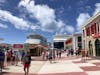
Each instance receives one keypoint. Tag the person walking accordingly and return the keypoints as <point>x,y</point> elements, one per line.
<point>57,53</point>
<point>8,55</point>
<point>54,56</point>
<point>2,57</point>
<point>23,55</point>
<point>60,52</point>
<point>46,54</point>
<point>27,63</point>
<point>50,56</point>
<point>16,58</point>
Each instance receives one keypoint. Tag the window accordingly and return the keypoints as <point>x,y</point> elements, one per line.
<point>59,45</point>
<point>79,39</point>
<point>88,31</point>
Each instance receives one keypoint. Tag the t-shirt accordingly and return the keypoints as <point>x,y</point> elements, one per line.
<point>27,59</point>
<point>23,54</point>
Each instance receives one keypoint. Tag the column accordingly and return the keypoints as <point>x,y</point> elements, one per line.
<point>97,27</point>
<point>85,39</point>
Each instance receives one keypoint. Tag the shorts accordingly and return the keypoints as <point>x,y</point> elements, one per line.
<point>16,59</point>
<point>26,66</point>
<point>8,59</point>
<point>1,63</point>
<point>22,59</point>
<point>50,58</point>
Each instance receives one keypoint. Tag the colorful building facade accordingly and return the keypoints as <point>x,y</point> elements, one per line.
<point>36,44</point>
<point>91,35</point>
<point>59,41</point>
<point>74,42</point>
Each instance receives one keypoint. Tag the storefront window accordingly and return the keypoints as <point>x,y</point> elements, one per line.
<point>79,39</point>
<point>97,47</point>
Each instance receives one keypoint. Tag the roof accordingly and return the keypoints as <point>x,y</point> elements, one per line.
<point>60,35</point>
<point>91,19</point>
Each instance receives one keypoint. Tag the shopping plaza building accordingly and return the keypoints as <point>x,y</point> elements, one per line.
<point>59,41</point>
<point>91,35</point>
<point>36,44</point>
<point>74,42</point>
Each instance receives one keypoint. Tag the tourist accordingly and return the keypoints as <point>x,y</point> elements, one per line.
<point>83,55</point>
<point>50,56</point>
<point>54,56</point>
<point>13,58</point>
<point>68,52</point>
<point>87,54</point>
<point>2,57</point>
<point>46,54</point>
<point>57,53</point>
<point>27,63</point>
<point>60,52</point>
<point>43,55</point>
<point>72,52</point>
<point>16,58</point>
<point>23,55</point>
<point>8,55</point>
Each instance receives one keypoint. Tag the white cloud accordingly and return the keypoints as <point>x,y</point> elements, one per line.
<point>44,14</point>
<point>97,9</point>
<point>3,26</point>
<point>70,29</point>
<point>2,2</point>
<point>19,23</point>
<point>82,18</point>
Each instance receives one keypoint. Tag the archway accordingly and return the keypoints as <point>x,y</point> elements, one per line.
<point>90,48</point>
<point>97,47</point>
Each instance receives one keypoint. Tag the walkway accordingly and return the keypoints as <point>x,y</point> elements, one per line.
<point>64,66</point>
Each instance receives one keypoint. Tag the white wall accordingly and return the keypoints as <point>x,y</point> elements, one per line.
<point>33,41</point>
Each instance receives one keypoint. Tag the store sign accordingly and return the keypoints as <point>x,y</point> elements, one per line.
<point>96,35</point>
<point>69,41</point>
<point>18,46</point>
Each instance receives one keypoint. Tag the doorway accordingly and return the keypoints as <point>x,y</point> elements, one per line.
<point>90,48</point>
<point>97,47</point>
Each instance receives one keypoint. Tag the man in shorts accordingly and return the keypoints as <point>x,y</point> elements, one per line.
<point>50,56</point>
<point>27,62</point>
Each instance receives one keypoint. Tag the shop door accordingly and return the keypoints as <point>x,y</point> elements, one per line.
<point>33,52</point>
<point>90,48</point>
<point>97,47</point>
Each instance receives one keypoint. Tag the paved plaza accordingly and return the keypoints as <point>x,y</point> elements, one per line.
<point>64,66</point>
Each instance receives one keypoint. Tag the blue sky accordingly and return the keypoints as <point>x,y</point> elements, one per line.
<point>18,18</point>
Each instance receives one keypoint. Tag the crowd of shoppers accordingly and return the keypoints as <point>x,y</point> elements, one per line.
<point>10,57</point>
<point>51,54</point>
<point>13,57</point>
